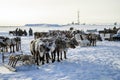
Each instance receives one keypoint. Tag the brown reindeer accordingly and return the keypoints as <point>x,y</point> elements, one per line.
<point>62,46</point>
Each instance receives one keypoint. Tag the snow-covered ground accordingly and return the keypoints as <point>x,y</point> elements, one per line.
<point>101,62</point>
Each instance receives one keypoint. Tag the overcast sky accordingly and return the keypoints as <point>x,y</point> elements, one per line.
<point>20,12</point>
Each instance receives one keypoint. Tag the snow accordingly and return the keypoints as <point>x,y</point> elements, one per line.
<point>101,62</point>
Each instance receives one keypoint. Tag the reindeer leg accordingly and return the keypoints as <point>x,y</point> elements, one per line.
<point>6,49</point>
<point>43,59</point>
<point>53,57</point>
<point>13,49</point>
<point>47,57</point>
<point>10,49</point>
<point>65,55</point>
<point>17,46</point>
<point>58,56</point>
<point>34,56</point>
<point>37,59</point>
<point>55,54</point>
<point>61,55</point>
<point>92,42</point>
<point>95,42</point>
<point>20,45</point>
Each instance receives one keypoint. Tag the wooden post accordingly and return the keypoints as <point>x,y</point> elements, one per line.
<point>3,57</point>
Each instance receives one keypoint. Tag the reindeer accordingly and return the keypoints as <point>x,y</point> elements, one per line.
<point>12,42</point>
<point>3,45</point>
<point>62,46</point>
<point>38,50</point>
<point>82,39</point>
<point>92,38</point>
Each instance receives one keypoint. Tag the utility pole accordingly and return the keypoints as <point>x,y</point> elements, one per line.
<point>78,18</point>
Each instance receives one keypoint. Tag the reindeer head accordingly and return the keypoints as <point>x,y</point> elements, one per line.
<point>69,44</point>
<point>74,41</point>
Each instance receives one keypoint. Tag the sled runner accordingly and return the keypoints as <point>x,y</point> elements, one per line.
<point>10,68</point>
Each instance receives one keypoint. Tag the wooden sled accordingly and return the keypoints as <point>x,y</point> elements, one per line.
<point>10,68</point>
<point>14,59</point>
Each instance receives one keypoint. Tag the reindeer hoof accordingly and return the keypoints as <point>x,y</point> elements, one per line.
<point>65,58</point>
<point>47,61</point>
<point>61,59</point>
<point>53,61</point>
<point>42,63</point>
<point>58,60</point>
